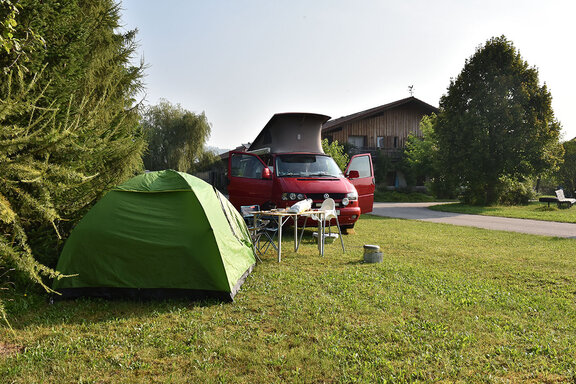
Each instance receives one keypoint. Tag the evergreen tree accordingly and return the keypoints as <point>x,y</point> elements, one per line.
<point>68,126</point>
<point>16,41</point>
<point>496,123</point>
<point>86,73</point>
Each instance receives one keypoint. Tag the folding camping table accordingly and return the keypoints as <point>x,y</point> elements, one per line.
<point>281,216</point>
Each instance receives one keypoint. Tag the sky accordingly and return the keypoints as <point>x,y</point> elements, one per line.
<point>242,61</point>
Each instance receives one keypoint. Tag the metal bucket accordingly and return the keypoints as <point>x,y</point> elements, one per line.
<point>372,254</point>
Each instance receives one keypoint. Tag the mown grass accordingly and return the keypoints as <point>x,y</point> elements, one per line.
<point>534,211</point>
<point>447,304</point>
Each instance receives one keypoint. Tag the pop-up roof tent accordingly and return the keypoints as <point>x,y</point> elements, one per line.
<point>160,234</point>
<point>291,132</point>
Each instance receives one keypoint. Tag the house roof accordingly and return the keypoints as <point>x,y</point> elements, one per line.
<point>375,111</point>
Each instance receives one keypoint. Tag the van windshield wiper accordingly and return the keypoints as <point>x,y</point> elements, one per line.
<point>305,174</point>
<point>321,174</point>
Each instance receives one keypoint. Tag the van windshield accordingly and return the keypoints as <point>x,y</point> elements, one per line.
<point>307,165</point>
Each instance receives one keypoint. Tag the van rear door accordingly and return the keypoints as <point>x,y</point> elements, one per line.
<point>250,180</point>
<point>362,178</point>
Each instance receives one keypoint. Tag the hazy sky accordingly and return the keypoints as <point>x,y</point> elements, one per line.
<point>241,61</point>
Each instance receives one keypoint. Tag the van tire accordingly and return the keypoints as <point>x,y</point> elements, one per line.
<point>347,229</point>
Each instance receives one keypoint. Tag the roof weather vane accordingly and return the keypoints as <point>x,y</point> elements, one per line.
<point>411,90</point>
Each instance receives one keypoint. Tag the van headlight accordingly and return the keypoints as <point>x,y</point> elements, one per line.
<point>352,196</point>
<point>293,196</point>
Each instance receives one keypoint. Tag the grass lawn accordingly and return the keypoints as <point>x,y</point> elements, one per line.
<point>394,196</point>
<point>534,211</point>
<point>448,304</point>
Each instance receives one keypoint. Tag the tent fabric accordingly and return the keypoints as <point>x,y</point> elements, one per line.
<point>162,233</point>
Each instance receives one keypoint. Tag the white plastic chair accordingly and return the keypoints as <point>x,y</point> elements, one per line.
<point>329,208</point>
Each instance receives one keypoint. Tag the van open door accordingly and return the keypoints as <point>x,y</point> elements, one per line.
<point>360,172</point>
<point>250,180</point>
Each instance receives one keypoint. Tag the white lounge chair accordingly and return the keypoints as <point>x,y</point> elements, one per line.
<point>564,200</point>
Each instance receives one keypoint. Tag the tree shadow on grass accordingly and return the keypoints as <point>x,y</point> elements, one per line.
<point>36,309</point>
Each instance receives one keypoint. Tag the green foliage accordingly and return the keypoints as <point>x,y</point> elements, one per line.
<point>515,192</point>
<point>396,196</point>
<point>382,165</point>
<point>68,127</point>
<point>532,211</point>
<point>176,137</point>
<point>421,152</point>
<point>8,26</point>
<point>421,160</point>
<point>208,160</point>
<point>337,152</point>
<point>87,76</point>
<point>31,180</point>
<point>546,184</point>
<point>16,41</point>
<point>496,121</point>
<point>566,174</point>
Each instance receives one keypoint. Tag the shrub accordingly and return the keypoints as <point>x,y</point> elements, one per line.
<point>515,192</point>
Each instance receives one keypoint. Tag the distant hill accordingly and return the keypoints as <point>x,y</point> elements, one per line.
<point>216,149</point>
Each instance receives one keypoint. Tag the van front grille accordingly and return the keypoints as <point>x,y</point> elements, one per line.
<point>320,196</point>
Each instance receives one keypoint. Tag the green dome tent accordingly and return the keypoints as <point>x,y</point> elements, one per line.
<point>160,234</point>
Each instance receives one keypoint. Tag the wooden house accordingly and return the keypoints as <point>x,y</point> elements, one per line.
<point>381,131</point>
<point>382,128</point>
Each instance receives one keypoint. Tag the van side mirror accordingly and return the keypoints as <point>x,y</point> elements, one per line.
<point>266,173</point>
<point>353,174</point>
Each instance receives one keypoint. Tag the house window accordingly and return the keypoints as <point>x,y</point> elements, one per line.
<point>357,141</point>
<point>395,141</point>
<point>380,142</point>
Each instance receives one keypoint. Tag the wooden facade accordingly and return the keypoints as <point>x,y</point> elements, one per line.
<point>384,128</point>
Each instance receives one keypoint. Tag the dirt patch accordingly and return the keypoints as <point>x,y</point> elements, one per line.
<point>9,349</point>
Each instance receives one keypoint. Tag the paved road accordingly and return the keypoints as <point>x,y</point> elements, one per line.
<point>420,211</point>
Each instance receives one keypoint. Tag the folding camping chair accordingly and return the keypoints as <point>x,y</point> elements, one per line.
<point>261,230</point>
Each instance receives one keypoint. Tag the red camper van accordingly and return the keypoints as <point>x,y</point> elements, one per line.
<point>286,163</point>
